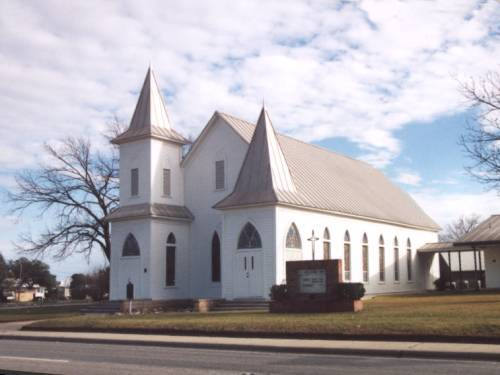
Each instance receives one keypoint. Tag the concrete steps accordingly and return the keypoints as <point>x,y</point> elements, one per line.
<point>242,305</point>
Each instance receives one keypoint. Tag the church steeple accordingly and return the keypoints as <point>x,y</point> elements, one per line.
<point>150,118</point>
<point>264,175</point>
<point>150,110</point>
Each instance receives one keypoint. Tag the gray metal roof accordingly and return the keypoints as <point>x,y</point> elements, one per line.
<point>156,210</point>
<point>328,181</point>
<point>150,117</point>
<point>438,247</point>
<point>486,233</point>
<point>264,174</point>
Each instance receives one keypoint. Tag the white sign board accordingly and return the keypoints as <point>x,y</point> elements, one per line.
<point>312,281</point>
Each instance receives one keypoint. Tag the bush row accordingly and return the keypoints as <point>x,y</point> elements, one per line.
<point>341,292</point>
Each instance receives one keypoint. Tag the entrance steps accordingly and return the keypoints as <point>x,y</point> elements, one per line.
<point>254,304</point>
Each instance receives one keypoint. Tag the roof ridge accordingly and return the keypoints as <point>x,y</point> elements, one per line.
<point>301,141</point>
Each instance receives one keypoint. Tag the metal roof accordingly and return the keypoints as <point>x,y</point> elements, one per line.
<point>486,233</point>
<point>156,210</point>
<point>327,181</point>
<point>264,174</point>
<point>438,247</point>
<point>150,117</point>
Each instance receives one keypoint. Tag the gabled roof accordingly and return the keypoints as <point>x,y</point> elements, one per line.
<point>264,176</point>
<point>327,181</point>
<point>150,117</point>
<point>486,233</point>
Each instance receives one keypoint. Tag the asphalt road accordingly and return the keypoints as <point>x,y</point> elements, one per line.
<point>89,359</point>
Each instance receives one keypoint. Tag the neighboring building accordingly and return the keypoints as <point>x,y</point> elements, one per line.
<point>63,289</point>
<point>222,221</point>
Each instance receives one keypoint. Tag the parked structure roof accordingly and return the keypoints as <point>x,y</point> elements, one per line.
<point>486,233</point>
<point>327,181</point>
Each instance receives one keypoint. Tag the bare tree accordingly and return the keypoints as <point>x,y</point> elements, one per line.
<point>459,227</point>
<point>482,139</point>
<point>77,188</point>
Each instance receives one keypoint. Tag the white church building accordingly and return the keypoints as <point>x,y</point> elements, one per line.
<point>222,220</point>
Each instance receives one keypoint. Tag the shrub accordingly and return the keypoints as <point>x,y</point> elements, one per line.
<point>349,291</point>
<point>279,293</point>
<point>440,284</point>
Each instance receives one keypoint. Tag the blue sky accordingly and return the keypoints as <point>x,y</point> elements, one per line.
<point>375,80</point>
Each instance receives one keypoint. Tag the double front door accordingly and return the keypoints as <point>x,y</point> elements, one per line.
<point>248,274</point>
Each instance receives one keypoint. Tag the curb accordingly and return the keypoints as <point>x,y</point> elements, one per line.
<point>398,353</point>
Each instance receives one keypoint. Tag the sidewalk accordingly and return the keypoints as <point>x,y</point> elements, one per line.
<point>376,348</point>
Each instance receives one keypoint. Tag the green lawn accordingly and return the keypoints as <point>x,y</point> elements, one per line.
<point>428,315</point>
<point>37,313</point>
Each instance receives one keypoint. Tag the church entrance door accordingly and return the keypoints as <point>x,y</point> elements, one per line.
<point>248,276</point>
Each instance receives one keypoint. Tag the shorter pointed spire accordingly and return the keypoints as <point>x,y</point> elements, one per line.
<point>264,173</point>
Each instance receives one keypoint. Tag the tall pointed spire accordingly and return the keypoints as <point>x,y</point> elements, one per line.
<point>264,175</point>
<point>150,117</point>
<point>150,110</point>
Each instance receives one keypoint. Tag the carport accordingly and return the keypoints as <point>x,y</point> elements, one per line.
<point>486,238</point>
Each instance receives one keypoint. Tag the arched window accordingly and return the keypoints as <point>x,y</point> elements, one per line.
<point>396,259</point>
<point>326,244</point>
<point>130,247</point>
<point>293,238</point>
<point>249,238</point>
<point>215,258</point>
<point>381,259</point>
<point>347,256</point>
<point>365,258</point>
<point>170,266</point>
<point>408,260</point>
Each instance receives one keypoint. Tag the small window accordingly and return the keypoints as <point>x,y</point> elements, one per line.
<point>365,259</point>
<point>219,175</point>
<point>381,259</point>
<point>249,238</point>
<point>130,247</point>
<point>134,182</point>
<point>215,258</point>
<point>396,259</point>
<point>326,244</point>
<point>409,260</point>
<point>166,183</point>
<point>170,257</point>
<point>347,257</point>
<point>293,240</point>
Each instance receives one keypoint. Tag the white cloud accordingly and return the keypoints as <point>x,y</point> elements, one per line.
<point>408,178</point>
<point>356,70</point>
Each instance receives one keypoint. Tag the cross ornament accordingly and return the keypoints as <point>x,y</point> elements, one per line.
<point>313,241</point>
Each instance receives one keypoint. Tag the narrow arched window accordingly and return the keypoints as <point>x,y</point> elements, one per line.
<point>381,259</point>
<point>130,247</point>
<point>293,238</point>
<point>365,258</point>
<point>409,260</point>
<point>326,244</point>
<point>170,258</point>
<point>215,258</point>
<point>396,259</point>
<point>249,238</point>
<point>347,256</point>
